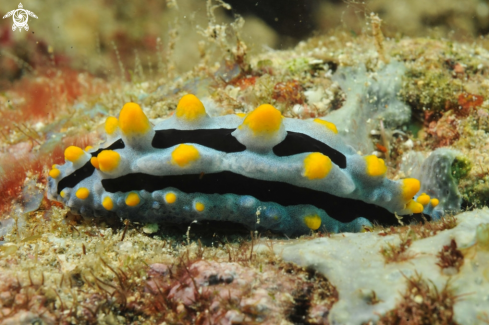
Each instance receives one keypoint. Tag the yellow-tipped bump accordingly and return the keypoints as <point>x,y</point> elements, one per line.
<point>317,165</point>
<point>132,199</point>
<point>434,202</point>
<point>409,187</point>
<point>170,198</point>
<point>54,173</point>
<point>265,119</point>
<point>108,160</point>
<point>132,120</point>
<point>241,114</point>
<point>312,222</point>
<point>82,193</point>
<point>88,148</point>
<point>62,194</point>
<point>375,166</point>
<point>415,207</point>
<point>73,153</point>
<point>424,199</point>
<point>190,108</point>
<point>199,206</point>
<point>184,154</point>
<point>111,125</point>
<point>94,162</point>
<point>107,203</point>
<point>330,126</point>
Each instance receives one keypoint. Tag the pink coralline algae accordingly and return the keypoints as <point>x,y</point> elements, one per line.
<point>225,293</point>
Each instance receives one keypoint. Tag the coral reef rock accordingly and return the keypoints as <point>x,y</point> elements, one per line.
<point>369,286</point>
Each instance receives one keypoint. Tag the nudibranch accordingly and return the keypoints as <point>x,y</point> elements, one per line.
<point>260,169</point>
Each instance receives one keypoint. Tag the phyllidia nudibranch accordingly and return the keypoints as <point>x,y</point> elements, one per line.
<point>260,170</point>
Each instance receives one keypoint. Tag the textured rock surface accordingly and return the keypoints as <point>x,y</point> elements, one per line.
<point>354,264</point>
<point>371,97</point>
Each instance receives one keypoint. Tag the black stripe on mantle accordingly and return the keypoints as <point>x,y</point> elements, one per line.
<point>222,140</point>
<point>341,209</point>
<point>217,139</point>
<point>86,170</point>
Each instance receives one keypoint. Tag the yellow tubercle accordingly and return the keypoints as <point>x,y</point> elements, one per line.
<point>82,193</point>
<point>88,148</point>
<point>434,202</point>
<point>409,187</point>
<point>199,206</point>
<point>184,154</point>
<point>241,114</point>
<point>62,194</point>
<point>424,199</point>
<point>94,162</point>
<point>327,124</point>
<point>108,160</point>
<point>415,207</point>
<point>111,125</point>
<point>73,153</point>
<point>107,203</point>
<point>170,198</point>
<point>317,165</point>
<point>190,108</point>
<point>132,199</point>
<point>312,222</point>
<point>132,120</point>
<point>265,119</point>
<point>375,166</point>
<point>54,173</point>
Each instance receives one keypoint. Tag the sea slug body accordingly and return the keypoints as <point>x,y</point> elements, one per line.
<point>261,170</point>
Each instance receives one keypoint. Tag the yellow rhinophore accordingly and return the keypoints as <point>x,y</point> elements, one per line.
<point>409,187</point>
<point>107,203</point>
<point>317,165</point>
<point>313,222</point>
<point>330,126</point>
<point>375,166</point>
<point>82,193</point>
<point>132,199</point>
<point>108,160</point>
<point>415,207</point>
<point>73,153</point>
<point>265,119</point>
<point>424,199</point>
<point>132,120</point>
<point>54,173</point>
<point>190,108</point>
<point>170,198</point>
<point>199,206</point>
<point>111,125</point>
<point>434,202</point>
<point>184,154</point>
